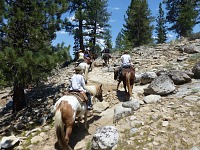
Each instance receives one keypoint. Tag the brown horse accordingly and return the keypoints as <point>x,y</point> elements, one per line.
<point>127,76</point>
<point>66,109</point>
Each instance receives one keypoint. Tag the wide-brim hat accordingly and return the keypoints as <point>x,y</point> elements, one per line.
<point>78,70</point>
<point>126,52</point>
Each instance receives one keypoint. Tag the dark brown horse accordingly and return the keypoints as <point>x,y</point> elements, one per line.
<point>106,57</point>
<point>127,76</point>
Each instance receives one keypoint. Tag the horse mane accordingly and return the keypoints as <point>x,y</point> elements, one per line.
<point>95,90</point>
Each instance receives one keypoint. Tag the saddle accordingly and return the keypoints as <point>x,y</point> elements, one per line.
<point>81,96</point>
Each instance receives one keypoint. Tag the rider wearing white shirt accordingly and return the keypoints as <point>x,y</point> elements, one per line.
<point>78,85</point>
<point>80,54</point>
<point>126,62</point>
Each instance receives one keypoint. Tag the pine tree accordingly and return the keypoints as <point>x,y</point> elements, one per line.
<point>137,29</point>
<point>27,56</point>
<point>160,27</point>
<point>90,24</point>
<point>119,41</point>
<point>107,39</point>
<point>76,7</point>
<point>97,22</point>
<point>182,15</point>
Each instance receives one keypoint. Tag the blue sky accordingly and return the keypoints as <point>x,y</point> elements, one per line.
<point>118,9</point>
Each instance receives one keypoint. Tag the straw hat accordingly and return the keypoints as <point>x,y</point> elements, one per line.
<point>126,52</point>
<point>78,70</point>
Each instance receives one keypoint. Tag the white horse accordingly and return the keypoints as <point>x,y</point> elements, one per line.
<point>66,109</point>
<point>85,68</point>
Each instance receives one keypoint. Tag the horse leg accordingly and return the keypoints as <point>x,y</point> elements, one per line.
<point>124,83</point>
<point>85,120</point>
<point>79,120</point>
<point>118,84</point>
<point>131,90</point>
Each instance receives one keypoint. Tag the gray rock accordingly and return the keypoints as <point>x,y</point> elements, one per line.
<point>133,130</point>
<point>148,77</point>
<point>8,142</point>
<point>195,148</point>
<point>189,73</point>
<point>179,77</point>
<point>105,138</point>
<point>120,112</point>
<point>162,85</point>
<point>133,104</point>
<point>152,99</point>
<point>138,78</point>
<point>196,70</point>
<point>189,49</point>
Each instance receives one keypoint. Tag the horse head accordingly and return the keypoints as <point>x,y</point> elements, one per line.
<point>96,91</point>
<point>99,93</point>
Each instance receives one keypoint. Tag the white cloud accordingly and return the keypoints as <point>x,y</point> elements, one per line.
<point>116,8</point>
<point>170,35</point>
<point>112,20</point>
<point>155,37</point>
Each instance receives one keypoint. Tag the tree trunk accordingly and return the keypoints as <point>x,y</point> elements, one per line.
<point>19,101</point>
<point>81,34</point>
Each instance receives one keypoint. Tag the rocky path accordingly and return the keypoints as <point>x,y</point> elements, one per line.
<point>172,123</point>
<point>167,122</point>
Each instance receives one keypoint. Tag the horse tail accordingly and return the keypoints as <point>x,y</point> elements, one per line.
<point>128,76</point>
<point>59,125</point>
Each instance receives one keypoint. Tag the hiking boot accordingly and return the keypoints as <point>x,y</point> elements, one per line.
<point>89,107</point>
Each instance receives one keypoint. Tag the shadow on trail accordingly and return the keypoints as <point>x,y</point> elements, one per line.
<point>121,95</point>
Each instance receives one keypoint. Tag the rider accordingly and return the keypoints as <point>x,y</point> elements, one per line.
<point>80,56</point>
<point>126,62</point>
<point>78,84</point>
<point>87,54</point>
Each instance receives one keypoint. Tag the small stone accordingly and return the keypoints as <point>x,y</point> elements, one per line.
<point>155,143</point>
<point>165,123</point>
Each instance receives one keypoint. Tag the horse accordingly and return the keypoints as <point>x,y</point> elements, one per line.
<point>66,109</point>
<point>85,68</point>
<point>89,61</point>
<point>127,76</point>
<point>106,57</point>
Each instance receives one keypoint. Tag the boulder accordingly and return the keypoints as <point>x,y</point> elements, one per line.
<point>196,70</point>
<point>179,77</point>
<point>162,85</point>
<point>148,77</point>
<point>105,138</point>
